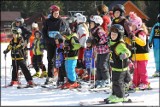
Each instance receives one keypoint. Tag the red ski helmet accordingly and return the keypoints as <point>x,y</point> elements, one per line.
<point>54,8</point>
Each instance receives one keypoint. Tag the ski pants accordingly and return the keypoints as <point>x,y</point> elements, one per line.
<point>38,63</point>
<point>62,72</point>
<point>21,63</point>
<point>157,59</point>
<point>51,49</point>
<point>140,73</point>
<point>118,83</point>
<point>102,72</point>
<point>70,65</point>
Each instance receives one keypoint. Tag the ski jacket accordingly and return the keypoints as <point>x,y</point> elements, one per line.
<point>51,25</point>
<point>106,23</point>
<point>83,34</point>
<point>17,48</point>
<point>89,57</point>
<point>141,45</point>
<point>101,45</point>
<point>155,36</point>
<point>71,47</point>
<point>26,34</point>
<point>59,55</point>
<point>118,48</point>
<point>37,46</point>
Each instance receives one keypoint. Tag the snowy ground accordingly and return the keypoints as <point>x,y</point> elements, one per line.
<point>36,97</point>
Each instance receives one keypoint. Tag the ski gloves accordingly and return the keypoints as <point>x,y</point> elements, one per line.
<point>123,56</point>
<point>5,51</point>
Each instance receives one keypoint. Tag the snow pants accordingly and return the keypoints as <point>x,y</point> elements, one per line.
<point>102,72</point>
<point>157,59</point>
<point>21,63</point>
<point>62,72</point>
<point>140,73</point>
<point>38,63</point>
<point>118,82</point>
<point>70,65</point>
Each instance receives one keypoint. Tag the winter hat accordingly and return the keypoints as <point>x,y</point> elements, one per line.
<point>34,25</point>
<point>135,20</point>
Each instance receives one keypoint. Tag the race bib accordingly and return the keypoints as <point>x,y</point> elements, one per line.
<point>52,34</point>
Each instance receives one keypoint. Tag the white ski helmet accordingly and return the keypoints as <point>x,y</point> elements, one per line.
<point>80,18</point>
<point>19,20</point>
<point>34,25</point>
<point>96,19</point>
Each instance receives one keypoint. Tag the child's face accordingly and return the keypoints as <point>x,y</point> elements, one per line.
<point>117,14</point>
<point>88,44</point>
<point>37,35</point>
<point>57,42</point>
<point>15,35</point>
<point>56,14</point>
<point>114,35</point>
<point>18,23</point>
<point>92,25</point>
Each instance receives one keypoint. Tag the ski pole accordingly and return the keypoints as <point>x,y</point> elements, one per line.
<point>5,72</point>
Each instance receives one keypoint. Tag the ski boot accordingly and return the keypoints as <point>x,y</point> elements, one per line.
<point>31,84</point>
<point>13,83</point>
<point>70,85</point>
<point>37,74</point>
<point>156,74</point>
<point>144,86</point>
<point>44,74</point>
<point>48,81</point>
<point>115,99</point>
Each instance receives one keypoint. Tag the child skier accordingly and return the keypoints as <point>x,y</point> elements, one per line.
<point>37,49</point>
<point>155,40</point>
<point>89,56</point>
<point>17,53</point>
<point>83,34</point>
<point>140,55</point>
<point>119,64</point>
<point>60,62</point>
<point>31,39</point>
<point>71,47</point>
<point>102,51</point>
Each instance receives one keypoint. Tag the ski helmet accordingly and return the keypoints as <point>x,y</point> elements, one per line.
<point>34,25</point>
<point>135,20</point>
<point>119,7</point>
<point>65,30</point>
<point>158,17</point>
<point>119,29</point>
<point>54,8</point>
<point>80,18</point>
<point>16,30</point>
<point>89,40</point>
<point>21,20</point>
<point>96,19</point>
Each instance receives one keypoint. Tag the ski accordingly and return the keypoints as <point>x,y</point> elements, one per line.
<point>27,86</point>
<point>101,102</point>
<point>138,89</point>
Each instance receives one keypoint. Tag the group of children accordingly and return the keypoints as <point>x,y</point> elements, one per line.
<point>108,47</point>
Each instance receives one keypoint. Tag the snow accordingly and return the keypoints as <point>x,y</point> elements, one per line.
<point>11,96</point>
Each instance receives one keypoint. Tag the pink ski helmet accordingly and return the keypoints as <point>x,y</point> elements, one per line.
<point>135,20</point>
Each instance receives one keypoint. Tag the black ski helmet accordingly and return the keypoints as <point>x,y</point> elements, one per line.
<point>158,17</point>
<point>119,29</point>
<point>89,40</point>
<point>119,7</point>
